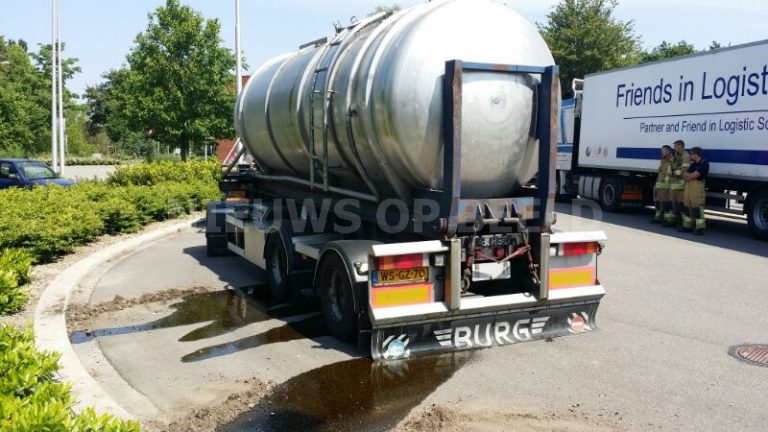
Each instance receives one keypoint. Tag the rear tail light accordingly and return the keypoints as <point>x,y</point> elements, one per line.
<point>235,196</point>
<point>579,248</point>
<point>397,262</point>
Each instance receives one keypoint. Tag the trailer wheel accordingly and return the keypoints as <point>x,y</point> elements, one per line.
<point>757,215</point>
<point>610,194</point>
<point>559,197</point>
<point>277,269</point>
<point>336,298</point>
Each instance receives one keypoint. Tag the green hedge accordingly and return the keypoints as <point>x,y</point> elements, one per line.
<point>15,265</point>
<point>50,221</point>
<point>30,398</point>
<point>148,174</point>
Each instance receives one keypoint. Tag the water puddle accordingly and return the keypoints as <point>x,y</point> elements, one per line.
<point>352,395</point>
<point>307,328</point>
<point>223,311</point>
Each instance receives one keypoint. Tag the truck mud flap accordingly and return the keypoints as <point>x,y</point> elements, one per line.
<point>474,332</point>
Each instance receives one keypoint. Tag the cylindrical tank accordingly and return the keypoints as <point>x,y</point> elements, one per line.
<point>377,88</point>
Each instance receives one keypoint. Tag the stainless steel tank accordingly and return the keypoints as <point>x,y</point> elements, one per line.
<point>376,86</point>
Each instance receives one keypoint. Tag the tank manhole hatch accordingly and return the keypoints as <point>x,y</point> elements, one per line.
<point>753,354</point>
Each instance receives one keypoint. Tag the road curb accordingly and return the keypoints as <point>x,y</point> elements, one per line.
<point>51,327</point>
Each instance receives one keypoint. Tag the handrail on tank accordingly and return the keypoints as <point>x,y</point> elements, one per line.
<point>546,132</point>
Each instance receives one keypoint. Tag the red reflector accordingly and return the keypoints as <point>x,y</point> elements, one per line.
<point>579,248</point>
<point>236,196</point>
<point>499,252</point>
<point>401,262</point>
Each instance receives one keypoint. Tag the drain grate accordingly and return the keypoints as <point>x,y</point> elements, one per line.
<point>752,354</point>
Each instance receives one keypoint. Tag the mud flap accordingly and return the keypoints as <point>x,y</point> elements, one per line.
<point>463,333</point>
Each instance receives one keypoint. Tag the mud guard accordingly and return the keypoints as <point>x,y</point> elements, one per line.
<point>475,332</point>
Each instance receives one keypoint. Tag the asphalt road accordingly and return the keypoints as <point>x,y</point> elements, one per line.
<point>87,172</point>
<point>675,305</point>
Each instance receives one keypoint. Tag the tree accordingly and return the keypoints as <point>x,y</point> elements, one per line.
<point>385,9</point>
<point>25,97</point>
<point>585,38</point>
<point>717,45</point>
<point>101,103</point>
<point>178,82</point>
<point>667,50</point>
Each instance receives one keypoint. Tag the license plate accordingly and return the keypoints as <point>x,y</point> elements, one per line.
<point>387,277</point>
<point>490,271</point>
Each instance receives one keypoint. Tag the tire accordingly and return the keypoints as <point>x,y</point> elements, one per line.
<point>610,194</point>
<point>216,246</point>
<point>336,299</point>
<point>757,214</point>
<point>277,269</point>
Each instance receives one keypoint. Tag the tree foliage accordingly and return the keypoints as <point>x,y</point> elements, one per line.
<point>101,104</point>
<point>585,37</point>
<point>667,50</point>
<point>25,97</point>
<point>178,82</point>
<point>385,9</point>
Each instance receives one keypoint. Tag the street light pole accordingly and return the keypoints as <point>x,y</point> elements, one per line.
<point>239,61</point>
<point>62,124</point>
<point>54,96</point>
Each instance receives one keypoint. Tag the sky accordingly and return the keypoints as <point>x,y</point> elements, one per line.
<point>101,32</point>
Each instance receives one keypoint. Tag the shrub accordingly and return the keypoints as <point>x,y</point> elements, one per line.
<point>17,261</point>
<point>50,221</point>
<point>163,171</point>
<point>30,398</point>
<point>47,221</point>
<point>12,296</point>
<point>119,216</point>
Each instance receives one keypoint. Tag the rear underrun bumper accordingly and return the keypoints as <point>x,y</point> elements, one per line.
<point>475,329</point>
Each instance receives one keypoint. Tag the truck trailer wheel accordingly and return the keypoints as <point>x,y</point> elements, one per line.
<point>336,298</point>
<point>277,269</point>
<point>757,215</point>
<point>610,194</point>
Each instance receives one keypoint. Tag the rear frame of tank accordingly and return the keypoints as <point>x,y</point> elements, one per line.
<point>381,103</point>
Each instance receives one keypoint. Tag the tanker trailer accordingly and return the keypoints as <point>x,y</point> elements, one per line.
<point>391,178</point>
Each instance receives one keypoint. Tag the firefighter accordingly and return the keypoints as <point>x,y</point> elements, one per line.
<point>663,204</point>
<point>694,199</point>
<point>680,164</point>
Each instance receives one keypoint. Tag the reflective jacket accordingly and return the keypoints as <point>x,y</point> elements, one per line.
<point>680,166</point>
<point>665,172</point>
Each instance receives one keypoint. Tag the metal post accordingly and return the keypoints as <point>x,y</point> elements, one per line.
<point>54,87</point>
<point>239,61</point>
<point>62,125</point>
<point>548,131</point>
<point>452,88</point>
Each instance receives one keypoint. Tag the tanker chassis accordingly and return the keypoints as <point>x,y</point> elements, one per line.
<point>437,270</point>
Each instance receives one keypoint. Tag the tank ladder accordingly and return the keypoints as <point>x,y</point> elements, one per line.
<point>319,103</point>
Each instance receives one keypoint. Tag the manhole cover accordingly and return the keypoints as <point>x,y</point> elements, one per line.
<point>752,354</point>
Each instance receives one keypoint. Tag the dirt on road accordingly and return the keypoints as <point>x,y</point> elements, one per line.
<point>80,314</point>
<point>448,419</point>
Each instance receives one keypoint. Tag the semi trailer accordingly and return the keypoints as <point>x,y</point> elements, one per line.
<point>391,178</point>
<point>613,128</point>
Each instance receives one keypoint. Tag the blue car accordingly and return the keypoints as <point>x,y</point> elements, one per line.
<point>26,173</point>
